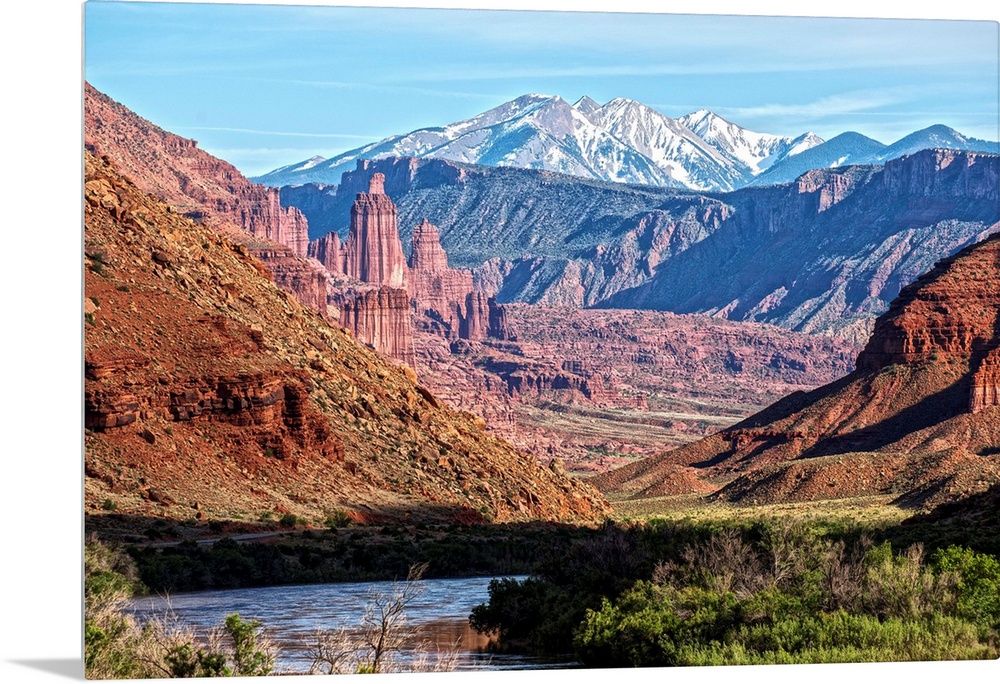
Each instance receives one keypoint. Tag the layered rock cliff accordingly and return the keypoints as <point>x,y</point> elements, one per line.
<point>917,420</point>
<point>444,295</point>
<point>378,317</point>
<point>373,253</point>
<point>293,274</point>
<point>328,251</point>
<point>175,170</point>
<point>839,243</point>
<point>205,189</point>
<point>985,391</point>
<point>212,394</point>
<point>597,388</point>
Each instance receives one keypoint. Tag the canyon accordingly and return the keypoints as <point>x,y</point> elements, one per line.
<point>839,243</point>
<point>577,389</point>
<point>918,420</point>
<point>211,394</point>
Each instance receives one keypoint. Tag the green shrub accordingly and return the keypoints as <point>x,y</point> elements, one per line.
<point>251,656</point>
<point>337,519</point>
<point>977,585</point>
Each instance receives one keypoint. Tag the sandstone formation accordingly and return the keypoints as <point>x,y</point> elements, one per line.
<point>205,189</point>
<point>917,420</point>
<point>373,253</point>
<point>499,326</point>
<point>328,251</point>
<point>208,388</point>
<point>176,171</point>
<point>598,388</point>
<point>378,317</point>
<point>444,295</point>
<point>293,274</point>
<point>840,243</point>
<point>985,390</point>
<point>374,299</point>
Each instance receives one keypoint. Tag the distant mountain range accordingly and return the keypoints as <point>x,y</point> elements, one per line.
<point>824,254</point>
<point>625,141</point>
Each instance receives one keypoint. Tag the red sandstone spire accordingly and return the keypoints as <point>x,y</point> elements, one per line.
<point>329,252</point>
<point>427,253</point>
<point>373,252</point>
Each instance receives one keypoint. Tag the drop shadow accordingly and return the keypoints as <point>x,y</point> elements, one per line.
<point>70,668</point>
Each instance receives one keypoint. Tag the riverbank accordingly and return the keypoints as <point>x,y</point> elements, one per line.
<point>171,559</point>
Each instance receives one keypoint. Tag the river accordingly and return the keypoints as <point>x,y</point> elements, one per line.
<point>291,615</point>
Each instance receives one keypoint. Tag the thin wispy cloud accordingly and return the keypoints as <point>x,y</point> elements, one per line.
<point>370,87</point>
<point>850,103</point>
<point>291,134</point>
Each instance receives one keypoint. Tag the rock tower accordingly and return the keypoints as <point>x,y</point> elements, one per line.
<point>373,252</point>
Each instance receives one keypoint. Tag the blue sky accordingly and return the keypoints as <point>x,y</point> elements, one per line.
<point>262,86</point>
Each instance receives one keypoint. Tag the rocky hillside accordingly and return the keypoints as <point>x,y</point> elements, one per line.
<point>207,190</point>
<point>174,169</point>
<point>839,244</point>
<point>212,394</point>
<point>919,419</point>
<point>598,388</point>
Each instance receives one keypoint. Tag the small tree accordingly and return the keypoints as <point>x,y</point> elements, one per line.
<point>383,637</point>
<point>252,653</point>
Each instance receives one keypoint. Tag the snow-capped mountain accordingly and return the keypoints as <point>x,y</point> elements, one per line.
<point>754,152</point>
<point>936,136</point>
<point>841,150</point>
<point>622,141</point>
<point>854,148</point>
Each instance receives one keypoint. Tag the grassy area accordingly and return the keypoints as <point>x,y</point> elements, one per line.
<point>868,510</point>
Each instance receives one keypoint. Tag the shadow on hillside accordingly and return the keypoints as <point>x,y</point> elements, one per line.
<point>163,531</point>
<point>930,411</point>
<point>372,552</point>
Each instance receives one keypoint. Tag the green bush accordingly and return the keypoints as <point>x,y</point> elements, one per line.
<point>977,585</point>
<point>751,593</point>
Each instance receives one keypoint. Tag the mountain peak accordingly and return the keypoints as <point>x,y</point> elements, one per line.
<point>586,104</point>
<point>700,117</point>
<point>623,141</point>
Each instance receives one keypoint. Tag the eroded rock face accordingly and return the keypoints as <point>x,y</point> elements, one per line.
<point>328,251</point>
<point>175,170</point>
<point>985,391</point>
<point>444,295</point>
<point>918,419</point>
<point>380,318</point>
<point>295,275</point>
<point>426,253</point>
<point>205,189</point>
<point>949,313</point>
<point>208,388</point>
<point>600,387</point>
<point>499,324</point>
<point>839,243</point>
<point>373,253</point>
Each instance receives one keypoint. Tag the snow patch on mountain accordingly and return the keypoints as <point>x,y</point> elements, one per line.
<point>623,141</point>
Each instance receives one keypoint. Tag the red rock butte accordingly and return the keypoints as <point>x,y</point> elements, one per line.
<point>374,253</point>
<point>445,295</point>
<point>919,418</point>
